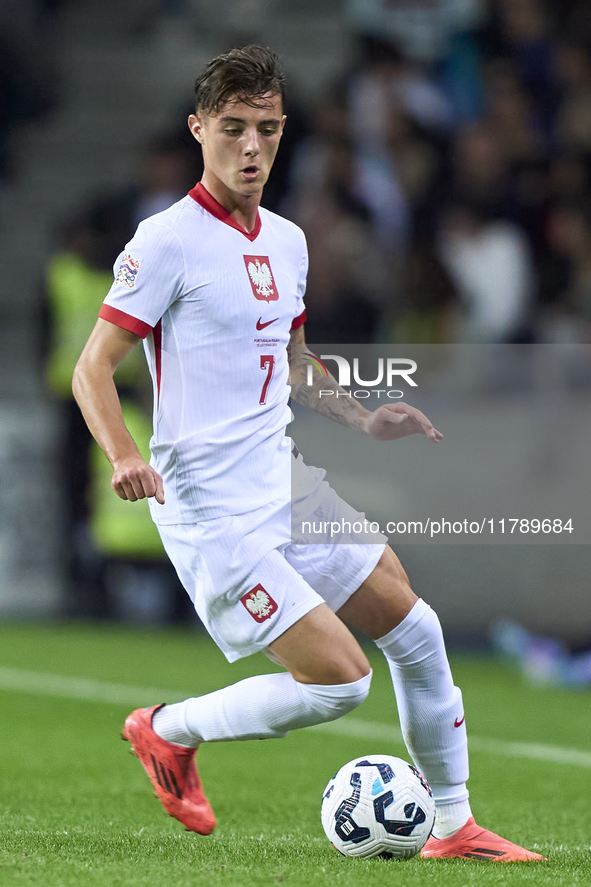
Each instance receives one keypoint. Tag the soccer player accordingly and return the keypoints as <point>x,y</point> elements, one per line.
<point>214,286</point>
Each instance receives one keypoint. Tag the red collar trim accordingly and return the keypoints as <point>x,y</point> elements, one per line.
<point>202,196</point>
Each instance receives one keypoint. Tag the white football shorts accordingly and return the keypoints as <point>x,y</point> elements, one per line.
<point>249,582</point>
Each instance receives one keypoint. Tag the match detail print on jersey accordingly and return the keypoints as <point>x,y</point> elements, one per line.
<point>259,603</point>
<point>261,278</point>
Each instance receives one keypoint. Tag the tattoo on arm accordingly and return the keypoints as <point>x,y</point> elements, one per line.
<point>339,406</point>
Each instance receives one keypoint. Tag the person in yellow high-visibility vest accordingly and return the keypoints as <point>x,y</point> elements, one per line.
<point>77,279</point>
<point>75,284</point>
<point>139,582</point>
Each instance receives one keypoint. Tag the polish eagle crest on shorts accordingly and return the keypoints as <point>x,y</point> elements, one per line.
<point>261,278</point>
<point>259,603</point>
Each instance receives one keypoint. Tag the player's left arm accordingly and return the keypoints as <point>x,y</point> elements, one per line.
<point>389,422</point>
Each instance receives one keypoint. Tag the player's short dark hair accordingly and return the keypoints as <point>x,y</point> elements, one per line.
<point>248,74</point>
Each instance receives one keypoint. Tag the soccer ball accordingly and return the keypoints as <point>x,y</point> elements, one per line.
<point>378,806</point>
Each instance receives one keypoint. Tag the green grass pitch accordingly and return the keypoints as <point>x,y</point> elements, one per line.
<point>76,809</point>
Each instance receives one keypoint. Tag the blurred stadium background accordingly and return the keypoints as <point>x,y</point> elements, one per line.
<point>438,156</point>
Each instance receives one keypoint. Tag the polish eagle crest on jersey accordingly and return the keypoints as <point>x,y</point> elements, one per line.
<point>259,603</point>
<point>128,271</point>
<point>261,278</point>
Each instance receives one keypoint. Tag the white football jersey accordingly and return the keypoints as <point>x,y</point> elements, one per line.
<point>215,306</point>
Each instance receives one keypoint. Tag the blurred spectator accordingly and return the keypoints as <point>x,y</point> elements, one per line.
<point>490,263</point>
<point>309,167</point>
<point>565,314</point>
<point>414,159</point>
<point>569,177</point>
<point>427,306</point>
<point>347,279</point>
<point>480,172</point>
<point>296,131</point>
<point>382,79</point>
<point>168,168</point>
<point>521,40</point>
<point>573,70</point>
<point>511,116</point>
<point>396,113</point>
<point>421,28</point>
<point>576,20</point>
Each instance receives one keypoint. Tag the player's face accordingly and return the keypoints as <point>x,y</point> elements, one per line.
<point>240,143</point>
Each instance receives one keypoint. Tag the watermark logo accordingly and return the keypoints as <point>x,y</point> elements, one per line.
<point>388,371</point>
<point>315,363</point>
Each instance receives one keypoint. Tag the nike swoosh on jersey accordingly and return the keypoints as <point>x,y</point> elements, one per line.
<point>261,326</point>
<point>458,723</point>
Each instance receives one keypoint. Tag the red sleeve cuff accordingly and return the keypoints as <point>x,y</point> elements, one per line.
<point>298,321</point>
<point>125,321</point>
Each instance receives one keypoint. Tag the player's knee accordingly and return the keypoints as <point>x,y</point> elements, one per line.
<point>389,569</point>
<point>332,701</point>
<point>350,672</point>
<point>354,693</point>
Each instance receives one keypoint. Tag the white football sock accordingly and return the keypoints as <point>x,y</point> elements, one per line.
<point>450,818</point>
<point>262,707</point>
<point>431,712</point>
<point>169,723</point>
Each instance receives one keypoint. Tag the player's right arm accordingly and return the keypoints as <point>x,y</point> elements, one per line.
<point>96,394</point>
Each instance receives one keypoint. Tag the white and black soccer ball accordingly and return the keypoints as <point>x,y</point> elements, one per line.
<point>378,806</point>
